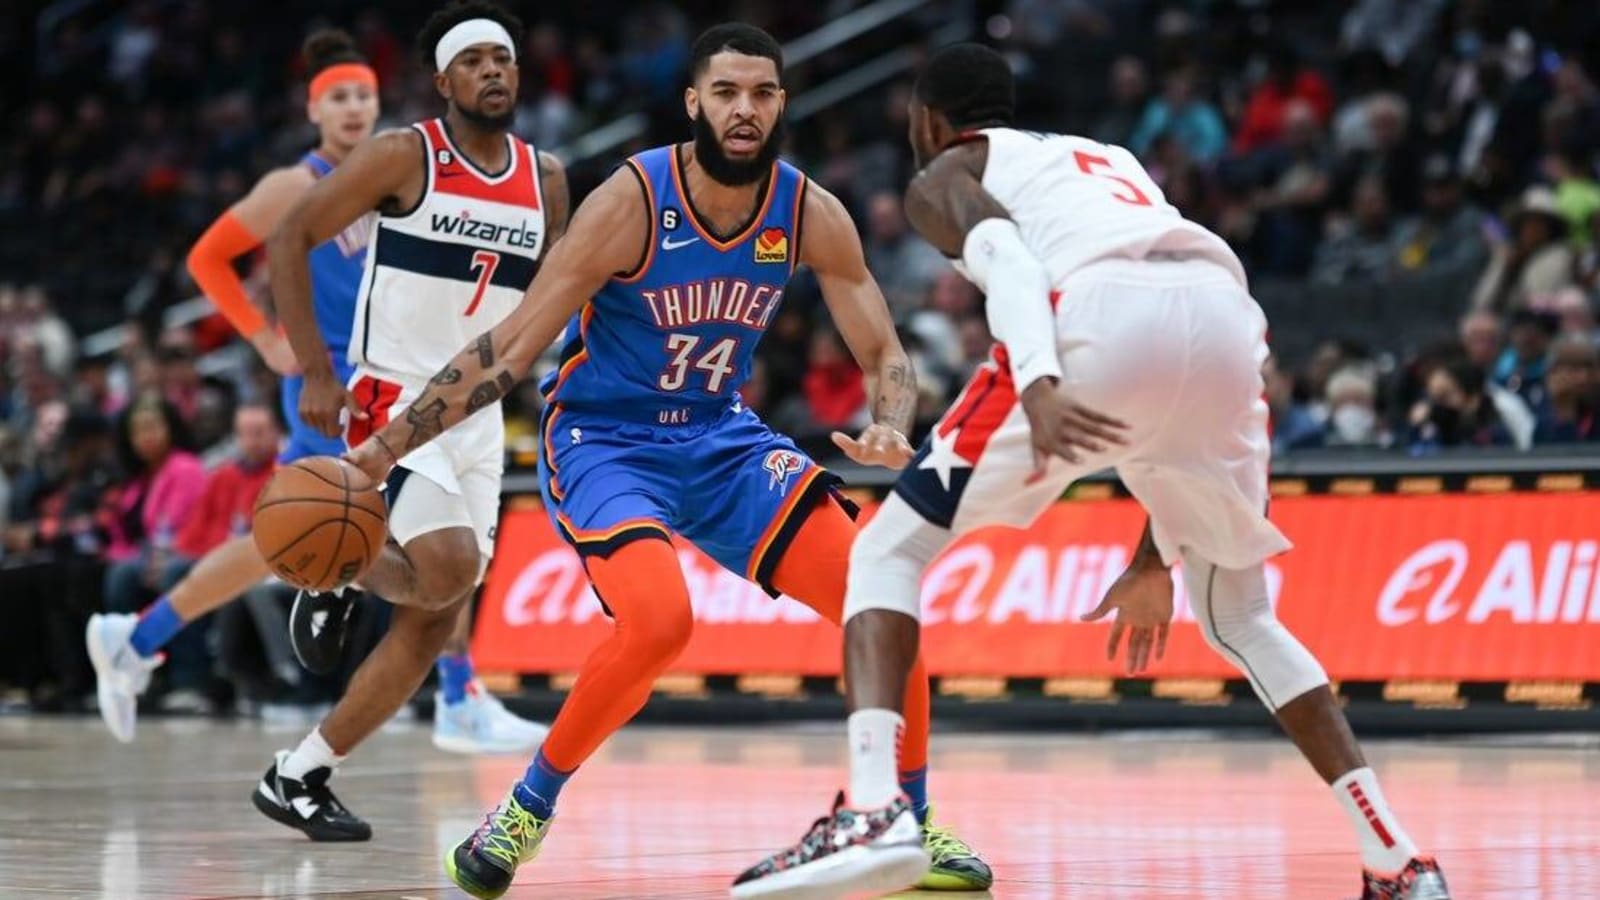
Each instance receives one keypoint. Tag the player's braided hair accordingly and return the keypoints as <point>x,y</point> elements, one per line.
<point>456,12</point>
<point>971,84</point>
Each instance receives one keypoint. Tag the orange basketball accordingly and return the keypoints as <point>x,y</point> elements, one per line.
<point>320,523</point>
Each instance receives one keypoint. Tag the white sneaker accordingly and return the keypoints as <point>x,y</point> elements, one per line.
<point>481,724</point>
<point>120,674</point>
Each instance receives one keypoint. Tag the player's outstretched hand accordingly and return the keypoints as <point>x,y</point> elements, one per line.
<point>1061,426</point>
<point>323,399</point>
<point>275,351</point>
<point>879,445</point>
<point>1142,599</point>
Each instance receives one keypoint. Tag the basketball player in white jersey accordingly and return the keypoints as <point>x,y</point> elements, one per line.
<point>1103,298</point>
<point>465,211</point>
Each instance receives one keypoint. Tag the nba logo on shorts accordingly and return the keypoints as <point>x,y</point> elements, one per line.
<point>782,464</point>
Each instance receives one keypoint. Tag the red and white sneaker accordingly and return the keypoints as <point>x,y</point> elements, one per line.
<point>849,851</point>
<point>1421,879</point>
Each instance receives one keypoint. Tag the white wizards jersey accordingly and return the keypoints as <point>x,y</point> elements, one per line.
<point>1077,201</point>
<point>454,266</point>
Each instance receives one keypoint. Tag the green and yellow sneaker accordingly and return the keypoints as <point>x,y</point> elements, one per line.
<point>956,866</point>
<point>484,864</point>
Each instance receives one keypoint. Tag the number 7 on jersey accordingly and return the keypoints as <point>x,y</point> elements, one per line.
<point>484,262</point>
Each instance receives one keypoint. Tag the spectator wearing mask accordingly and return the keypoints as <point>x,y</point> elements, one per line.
<point>222,512</point>
<point>1573,399</point>
<point>1522,366</point>
<point>1456,411</point>
<point>1352,400</point>
<point>163,483</point>
<point>1534,264</point>
<point>1180,113</point>
<point>1364,252</point>
<point>1448,235</point>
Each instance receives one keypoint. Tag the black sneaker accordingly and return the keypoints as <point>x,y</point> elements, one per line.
<point>318,626</point>
<point>847,852</point>
<point>307,805</point>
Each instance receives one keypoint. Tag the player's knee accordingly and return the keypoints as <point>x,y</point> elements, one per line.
<point>447,570</point>
<point>660,637</point>
<point>1239,622</point>
<point>886,566</point>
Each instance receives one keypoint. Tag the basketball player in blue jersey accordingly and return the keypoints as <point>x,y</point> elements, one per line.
<point>673,270</point>
<point>428,284</point>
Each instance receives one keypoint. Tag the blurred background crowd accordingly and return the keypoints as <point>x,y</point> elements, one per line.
<point>1411,183</point>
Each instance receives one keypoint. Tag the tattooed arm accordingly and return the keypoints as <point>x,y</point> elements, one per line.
<point>948,205</point>
<point>606,236</point>
<point>832,249</point>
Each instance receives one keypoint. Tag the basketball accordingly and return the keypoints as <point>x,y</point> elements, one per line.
<point>320,523</point>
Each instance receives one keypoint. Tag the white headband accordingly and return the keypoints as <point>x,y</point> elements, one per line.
<point>465,34</point>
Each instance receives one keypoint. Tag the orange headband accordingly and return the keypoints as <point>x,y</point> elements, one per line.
<point>332,75</point>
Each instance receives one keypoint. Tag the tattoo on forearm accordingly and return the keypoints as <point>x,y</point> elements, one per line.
<point>490,392</point>
<point>896,403</point>
<point>485,348</point>
<point>426,421</point>
<point>447,375</point>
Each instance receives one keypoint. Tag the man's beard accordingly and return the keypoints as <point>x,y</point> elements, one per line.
<point>726,170</point>
<point>480,119</point>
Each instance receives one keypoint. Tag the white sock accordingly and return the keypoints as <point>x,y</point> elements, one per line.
<point>874,757</point>
<point>1385,846</point>
<point>313,753</point>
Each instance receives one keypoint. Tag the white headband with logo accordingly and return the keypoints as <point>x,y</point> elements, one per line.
<point>464,35</point>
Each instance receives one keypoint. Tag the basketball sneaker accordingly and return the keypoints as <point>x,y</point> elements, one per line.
<point>307,804</point>
<point>956,866</point>
<point>1421,879</point>
<point>318,626</point>
<point>845,852</point>
<point>484,864</point>
<point>120,673</point>
<point>480,723</point>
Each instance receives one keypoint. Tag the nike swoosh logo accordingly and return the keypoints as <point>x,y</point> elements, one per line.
<point>668,243</point>
<point>305,806</point>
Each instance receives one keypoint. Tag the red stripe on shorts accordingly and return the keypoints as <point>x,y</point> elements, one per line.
<point>376,396</point>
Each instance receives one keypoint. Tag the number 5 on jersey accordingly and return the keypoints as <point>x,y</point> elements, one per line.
<point>1088,162</point>
<point>713,362</point>
<point>484,262</point>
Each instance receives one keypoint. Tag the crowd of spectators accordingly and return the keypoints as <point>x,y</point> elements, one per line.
<point>1405,146</point>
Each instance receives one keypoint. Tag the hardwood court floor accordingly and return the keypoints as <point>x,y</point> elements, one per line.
<point>677,812</point>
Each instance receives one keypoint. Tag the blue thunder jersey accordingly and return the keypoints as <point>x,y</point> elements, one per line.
<point>671,342</point>
<point>336,268</point>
